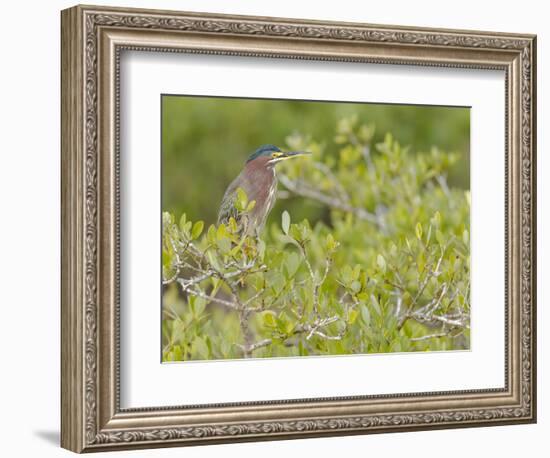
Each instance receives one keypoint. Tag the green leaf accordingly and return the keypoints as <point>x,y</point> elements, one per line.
<point>211,234</point>
<point>224,245</point>
<point>261,249</point>
<point>302,350</point>
<point>376,306</point>
<point>353,314</point>
<point>295,233</point>
<point>365,314</point>
<point>221,232</point>
<point>269,319</point>
<point>346,274</point>
<point>356,272</point>
<point>208,344</point>
<point>418,231</point>
<point>197,230</point>
<point>200,349</point>
<point>420,262</point>
<point>381,263</point>
<point>200,305</point>
<point>331,244</point>
<point>251,205</point>
<point>436,220</point>
<point>166,259</point>
<point>292,262</point>
<point>232,224</point>
<point>242,199</point>
<point>305,230</point>
<point>285,223</point>
<point>169,356</point>
<point>283,324</point>
<point>439,237</point>
<point>177,353</point>
<point>183,221</point>
<point>191,302</point>
<point>355,286</point>
<point>167,219</point>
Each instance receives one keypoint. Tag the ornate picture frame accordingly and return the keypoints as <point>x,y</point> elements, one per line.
<point>93,39</point>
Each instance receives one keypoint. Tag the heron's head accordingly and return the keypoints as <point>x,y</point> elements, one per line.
<point>271,154</point>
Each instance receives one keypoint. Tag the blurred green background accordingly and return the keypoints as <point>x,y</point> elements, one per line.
<point>206,141</point>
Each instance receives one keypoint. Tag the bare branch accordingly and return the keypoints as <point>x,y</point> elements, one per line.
<point>337,185</point>
<point>248,349</point>
<point>319,324</point>
<point>301,189</point>
<point>429,336</point>
<point>194,292</point>
<point>398,306</point>
<point>448,321</point>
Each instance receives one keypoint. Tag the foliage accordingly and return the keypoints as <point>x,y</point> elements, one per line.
<point>386,271</point>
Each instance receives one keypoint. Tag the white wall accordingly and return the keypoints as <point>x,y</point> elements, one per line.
<point>29,227</point>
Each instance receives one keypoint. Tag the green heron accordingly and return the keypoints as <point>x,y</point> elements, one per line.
<point>259,180</point>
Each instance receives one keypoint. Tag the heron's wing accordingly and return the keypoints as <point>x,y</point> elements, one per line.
<point>227,206</point>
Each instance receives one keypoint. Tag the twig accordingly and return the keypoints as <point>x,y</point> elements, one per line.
<point>429,336</point>
<point>319,324</point>
<point>328,173</point>
<point>248,349</point>
<point>448,321</point>
<point>432,306</point>
<point>398,306</point>
<point>333,202</point>
<point>315,285</point>
<point>193,292</point>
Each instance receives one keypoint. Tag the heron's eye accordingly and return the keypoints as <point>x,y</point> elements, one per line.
<point>276,155</point>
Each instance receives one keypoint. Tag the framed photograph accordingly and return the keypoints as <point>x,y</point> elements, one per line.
<point>279,228</point>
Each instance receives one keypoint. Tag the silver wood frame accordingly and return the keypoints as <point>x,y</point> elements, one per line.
<point>92,41</point>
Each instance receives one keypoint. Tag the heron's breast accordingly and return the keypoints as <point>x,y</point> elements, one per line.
<point>259,184</point>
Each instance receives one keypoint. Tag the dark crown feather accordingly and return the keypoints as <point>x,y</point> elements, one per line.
<point>264,150</point>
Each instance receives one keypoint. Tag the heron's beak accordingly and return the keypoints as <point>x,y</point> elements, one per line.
<point>291,154</point>
<point>283,156</point>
